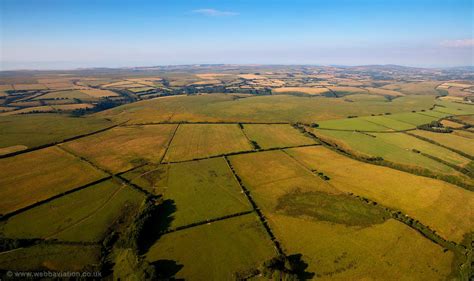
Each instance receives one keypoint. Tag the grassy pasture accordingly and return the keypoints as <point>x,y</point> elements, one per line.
<point>395,147</point>
<point>51,257</point>
<point>340,252</point>
<point>252,76</point>
<point>80,216</point>
<point>41,174</point>
<point>219,249</point>
<point>32,131</point>
<point>97,93</point>
<point>275,108</point>
<point>204,140</point>
<point>28,103</point>
<point>212,76</point>
<point>453,111</point>
<point>388,123</point>
<point>469,119</point>
<point>141,89</point>
<point>304,90</point>
<point>151,177</point>
<point>450,140</point>
<point>74,94</point>
<point>347,90</point>
<point>412,118</point>
<point>437,204</point>
<point>434,113</point>
<point>451,124</point>
<point>122,148</point>
<point>456,84</point>
<point>35,109</point>
<point>122,84</point>
<point>384,92</point>
<point>464,134</point>
<point>272,174</point>
<point>458,92</point>
<point>13,148</point>
<point>351,236</point>
<point>415,88</point>
<point>454,108</point>
<point>361,124</point>
<point>408,143</point>
<point>29,87</point>
<point>201,190</point>
<point>73,106</point>
<point>6,87</point>
<point>270,136</point>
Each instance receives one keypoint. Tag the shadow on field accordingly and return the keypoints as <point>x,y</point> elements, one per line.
<point>159,222</point>
<point>300,266</point>
<point>167,269</point>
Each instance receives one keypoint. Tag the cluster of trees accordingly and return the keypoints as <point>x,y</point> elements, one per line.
<point>7,244</point>
<point>285,268</point>
<point>102,105</point>
<point>435,126</point>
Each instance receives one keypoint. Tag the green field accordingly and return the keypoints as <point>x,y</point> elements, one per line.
<point>84,215</point>
<point>215,251</point>
<point>51,257</point>
<point>41,174</point>
<point>32,131</point>
<point>415,119</point>
<point>213,176</point>
<point>205,140</point>
<point>391,251</point>
<point>199,190</point>
<point>339,236</point>
<point>422,198</point>
<point>389,123</point>
<point>122,148</point>
<point>352,124</point>
<point>434,113</point>
<point>451,140</point>
<point>75,94</point>
<point>394,147</point>
<point>469,119</point>
<point>278,108</point>
<point>276,135</point>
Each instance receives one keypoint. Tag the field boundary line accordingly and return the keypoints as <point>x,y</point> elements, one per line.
<point>206,222</point>
<point>112,175</point>
<point>85,160</point>
<point>203,123</point>
<point>41,241</point>
<point>439,119</point>
<point>441,145</point>
<point>58,142</point>
<point>88,215</point>
<point>400,216</point>
<point>255,207</point>
<point>21,210</point>
<point>423,230</point>
<point>168,145</point>
<point>455,167</point>
<point>389,164</point>
<point>368,131</point>
<point>252,143</point>
<point>240,152</point>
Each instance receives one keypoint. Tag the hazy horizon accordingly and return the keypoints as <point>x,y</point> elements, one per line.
<point>72,34</point>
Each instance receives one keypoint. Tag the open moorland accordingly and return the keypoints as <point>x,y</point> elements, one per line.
<point>225,172</point>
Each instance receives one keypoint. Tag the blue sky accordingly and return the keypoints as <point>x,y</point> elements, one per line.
<point>44,34</point>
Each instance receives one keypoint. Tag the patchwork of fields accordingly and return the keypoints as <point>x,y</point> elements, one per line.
<point>343,181</point>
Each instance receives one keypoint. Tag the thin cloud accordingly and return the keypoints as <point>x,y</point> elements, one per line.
<point>464,43</point>
<point>214,13</point>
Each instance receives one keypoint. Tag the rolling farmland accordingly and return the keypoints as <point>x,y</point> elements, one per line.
<point>209,173</point>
